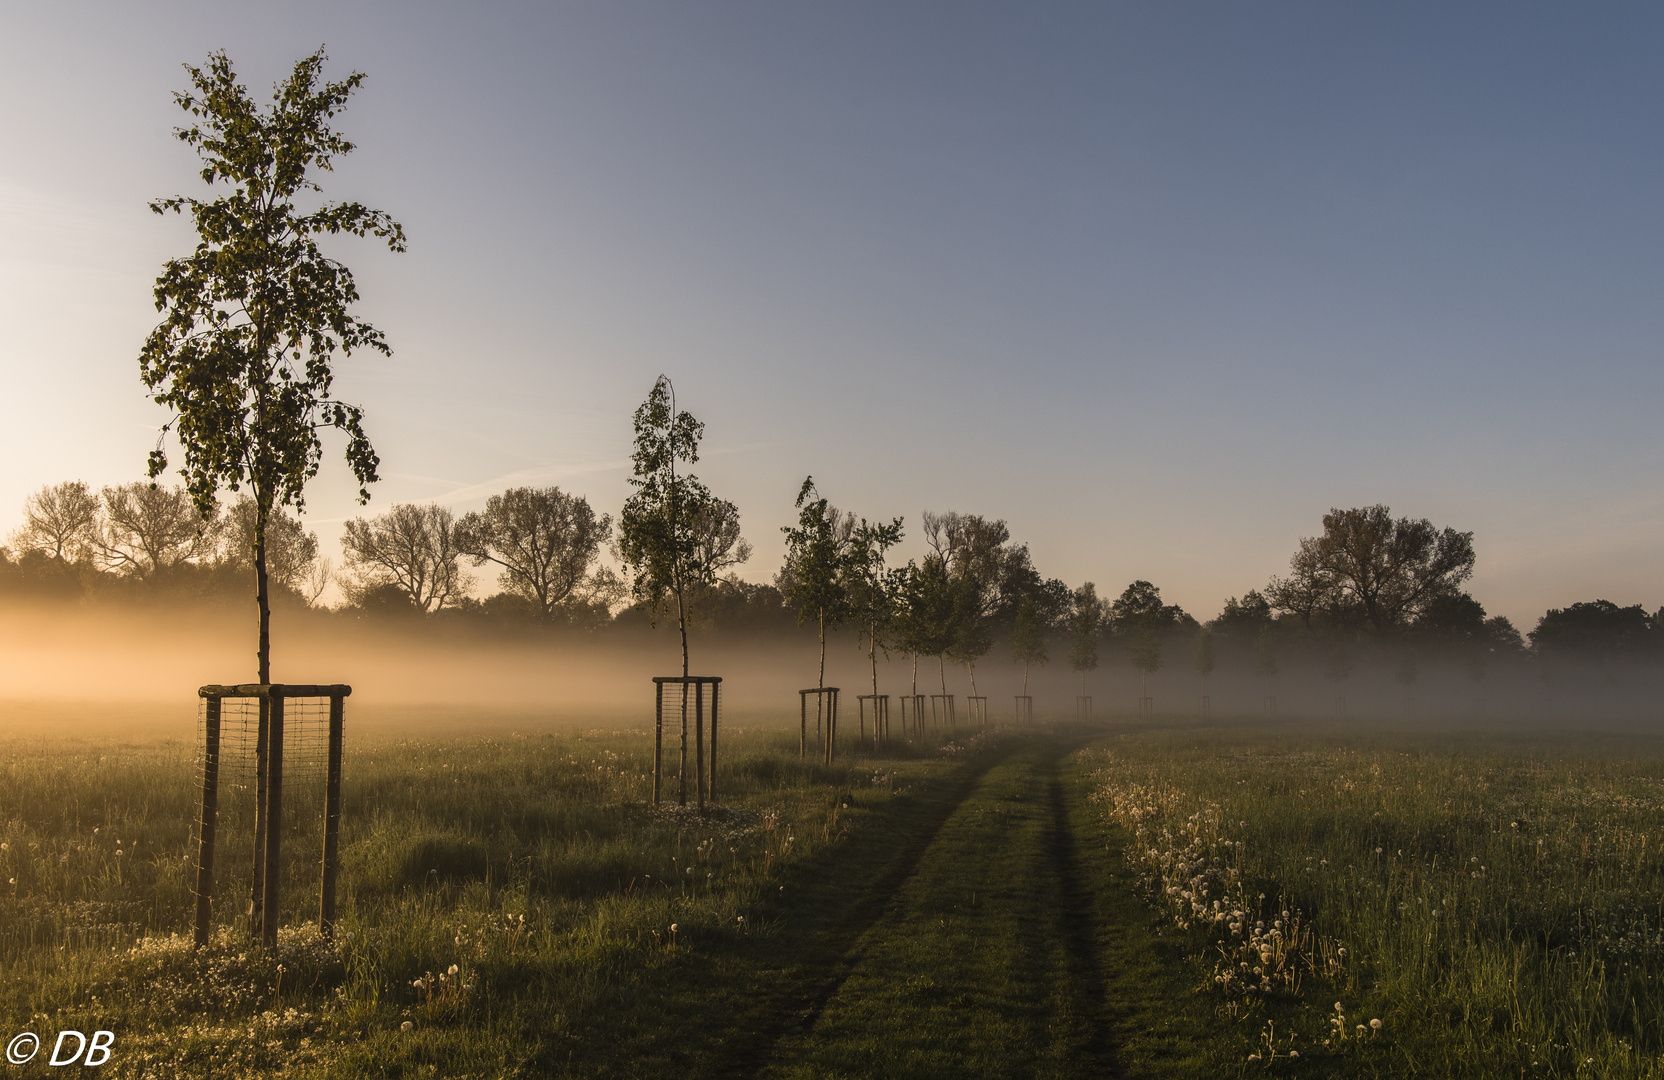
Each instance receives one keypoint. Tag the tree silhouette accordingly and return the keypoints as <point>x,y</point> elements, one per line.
<point>60,521</point>
<point>815,578</point>
<point>1085,623</point>
<point>658,531</point>
<point>874,588</point>
<point>411,548</point>
<point>1028,638</point>
<point>544,539</point>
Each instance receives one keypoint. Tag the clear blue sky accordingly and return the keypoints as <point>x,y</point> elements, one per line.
<point>1159,284</point>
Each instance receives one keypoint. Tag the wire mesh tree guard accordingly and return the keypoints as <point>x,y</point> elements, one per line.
<point>288,737</point>
<point>701,786</point>
<point>912,715</point>
<point>880,718</point>
<point>826,698</point>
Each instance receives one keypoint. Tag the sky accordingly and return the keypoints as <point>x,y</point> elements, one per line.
<point>1159,284</point>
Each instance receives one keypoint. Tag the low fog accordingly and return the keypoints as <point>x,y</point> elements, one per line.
<point>133,675</point>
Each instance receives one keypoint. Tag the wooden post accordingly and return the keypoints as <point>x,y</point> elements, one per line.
<point>716,687</point>
<point>699,740</point>
<point>257,887</point>
<point>272,877</point>
<point>831,722</point>
<point>332,818</point>
<point>803,718</point>
<point>210,814</point>
<point>682,766</point>
<point>658,734</point>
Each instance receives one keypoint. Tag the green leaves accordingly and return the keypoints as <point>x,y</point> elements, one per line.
<point>252,319</point>
<point>817,556</point>
<point>658,533</point>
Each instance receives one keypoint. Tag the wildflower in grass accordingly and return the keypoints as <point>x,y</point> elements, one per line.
<point>406,1026</point>
<point>1376,1024</point>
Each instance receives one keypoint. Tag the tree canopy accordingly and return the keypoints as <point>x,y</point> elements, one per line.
<point>1371,570</point>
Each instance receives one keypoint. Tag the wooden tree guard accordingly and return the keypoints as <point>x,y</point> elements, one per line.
<point>268,820</point>
<point>1271,704</point>
<point>1146,708</point>
<point>949,716</point>
<point>976,709</point>
<point>701,786</point>
<point>1083,707</point>
<point>1340,708</point>
<point>1025,709</point>
<point>914,725</point>
<point>880,718</point>
<point>825,697</point>
<point>1207,706</point>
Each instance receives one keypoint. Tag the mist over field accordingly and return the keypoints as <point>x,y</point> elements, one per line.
<point>132,674</point>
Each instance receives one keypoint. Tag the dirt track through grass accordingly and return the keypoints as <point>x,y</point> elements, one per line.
<point>986,960</point>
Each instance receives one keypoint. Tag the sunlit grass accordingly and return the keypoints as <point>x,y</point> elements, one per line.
<point>499,898</point>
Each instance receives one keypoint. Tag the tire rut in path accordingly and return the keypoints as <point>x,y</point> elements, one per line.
<point>1074,923</point>
<point>1078,923</point>
<point>828,965</point>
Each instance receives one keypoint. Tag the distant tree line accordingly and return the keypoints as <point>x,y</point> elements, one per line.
<point>1368,585</point>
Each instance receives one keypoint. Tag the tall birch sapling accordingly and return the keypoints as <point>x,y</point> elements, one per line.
<point>252,319</point>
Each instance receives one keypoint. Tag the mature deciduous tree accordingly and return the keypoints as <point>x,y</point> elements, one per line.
<point>1372,570</point>
<point>291,551</point>
<point>1596,628</point>
<point>149,529</point>
<point>545,540</point>
<point>60,521</point>
<point>253,318</point>
<point>411,548</point>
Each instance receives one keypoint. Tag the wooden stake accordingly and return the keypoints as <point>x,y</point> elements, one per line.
<point>332,818</point>
<point>272,877</point>
<point>210,814</point>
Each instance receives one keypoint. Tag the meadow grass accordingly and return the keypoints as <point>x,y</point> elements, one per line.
<point>509,904</point>
<point>1421,904</point>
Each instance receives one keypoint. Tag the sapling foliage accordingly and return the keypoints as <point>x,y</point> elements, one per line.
<point>659,536</point>
<point>1028,638</point>
<point>1085,622</point>
<point>252,319</point>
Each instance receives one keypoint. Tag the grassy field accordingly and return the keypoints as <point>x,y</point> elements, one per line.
<point>1165,900</point>
<point>1413,904</point>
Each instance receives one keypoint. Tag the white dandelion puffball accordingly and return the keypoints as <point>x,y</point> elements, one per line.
<point>406,1026</point>
<point>1376,1024</point>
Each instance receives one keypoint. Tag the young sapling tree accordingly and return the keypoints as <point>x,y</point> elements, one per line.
<point>816,576</point>
<point>252,319</point>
